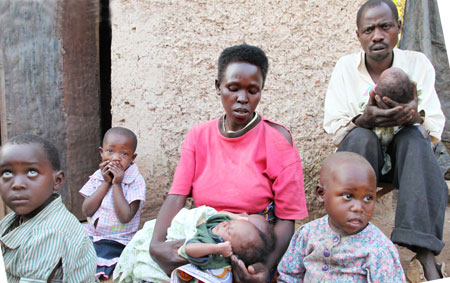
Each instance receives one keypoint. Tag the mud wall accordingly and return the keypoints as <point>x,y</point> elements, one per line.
<point>164,57</point>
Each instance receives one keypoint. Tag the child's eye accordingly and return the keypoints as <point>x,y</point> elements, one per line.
<point>368,198</point>
<point>32,173</point>
<point>232,88</point>
<point>124,153</point>
<point>109,150</point>
<point>253,91</point>
<point>347,196</point>
<point>7,174</point>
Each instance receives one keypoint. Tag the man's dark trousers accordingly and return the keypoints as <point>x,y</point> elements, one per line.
<point>423,192</point>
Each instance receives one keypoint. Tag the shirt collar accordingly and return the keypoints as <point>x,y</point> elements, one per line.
<point>361,63</point>
<point>21,233</point>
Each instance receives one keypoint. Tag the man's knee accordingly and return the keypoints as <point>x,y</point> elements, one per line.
<point>411,137</point>
<point>359,138</point>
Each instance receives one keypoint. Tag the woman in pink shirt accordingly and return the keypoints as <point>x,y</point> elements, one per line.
<point>239,162</point>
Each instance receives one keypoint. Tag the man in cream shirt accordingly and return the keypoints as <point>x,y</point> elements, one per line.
<point>352,110</point>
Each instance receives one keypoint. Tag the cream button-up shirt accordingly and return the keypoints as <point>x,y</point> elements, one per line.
<point>350,83</point>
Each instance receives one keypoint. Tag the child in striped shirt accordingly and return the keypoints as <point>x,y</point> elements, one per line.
<point>41,240</point>
<point>114,197</point>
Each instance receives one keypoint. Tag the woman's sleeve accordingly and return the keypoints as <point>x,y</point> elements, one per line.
<point>291,267</point>
<point>184,174</point>
<point>289,193</point>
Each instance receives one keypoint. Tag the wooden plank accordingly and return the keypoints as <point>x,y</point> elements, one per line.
<point>49,82</point>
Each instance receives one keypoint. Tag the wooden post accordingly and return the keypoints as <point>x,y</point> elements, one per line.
<point>49,82</point>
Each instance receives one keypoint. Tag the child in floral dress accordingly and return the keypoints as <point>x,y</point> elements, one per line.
<point>342,246</point>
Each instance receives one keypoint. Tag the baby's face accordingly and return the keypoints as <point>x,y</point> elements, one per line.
<point>119,149</point>
<point>238,232</point>
<point>349,198</point>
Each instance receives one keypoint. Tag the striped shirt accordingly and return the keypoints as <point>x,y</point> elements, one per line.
<point>108,225</point>
<point>54,237</point>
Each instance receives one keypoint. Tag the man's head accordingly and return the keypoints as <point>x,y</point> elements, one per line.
<point>348,190</point>
<point>30,173</point>
<point>395,84</point>
<point>119,145</point>
<point>249,243</point>
<point>378,28</point>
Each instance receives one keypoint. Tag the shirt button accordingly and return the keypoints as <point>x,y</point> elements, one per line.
<point>335,239</point>
<point>326,253</point>
<point>324,267</point>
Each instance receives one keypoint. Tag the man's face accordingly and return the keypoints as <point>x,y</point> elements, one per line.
<point>378,32</point>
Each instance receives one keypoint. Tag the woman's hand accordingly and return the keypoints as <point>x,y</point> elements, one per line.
<point>254,274</point>
<point>166,255</point>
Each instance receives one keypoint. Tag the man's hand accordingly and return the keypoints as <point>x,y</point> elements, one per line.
<point>387,103</point>
<point>255,273</point>
<point>387,113</point>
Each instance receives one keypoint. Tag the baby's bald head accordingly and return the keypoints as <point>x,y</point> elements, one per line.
<point>338,162</point>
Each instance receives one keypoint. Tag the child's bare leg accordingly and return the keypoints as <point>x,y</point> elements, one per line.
<point>428,262</point>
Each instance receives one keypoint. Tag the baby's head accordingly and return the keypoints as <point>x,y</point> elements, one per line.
<point>251,243</point>
<point>395,84</point>
<point>348,190</point>
<point>30,173</point>
<point>119,145</point>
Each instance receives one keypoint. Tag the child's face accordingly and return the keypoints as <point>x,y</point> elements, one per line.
<point>27,178</point>
<point>238,233</point>
<point>349,198</point>
<point>119,149</point>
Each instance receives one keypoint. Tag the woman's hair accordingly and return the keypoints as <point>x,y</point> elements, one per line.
<point>49,149</point>
<point>252,253</point>
<point>243,53</point>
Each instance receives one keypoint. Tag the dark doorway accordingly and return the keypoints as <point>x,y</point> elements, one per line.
<point>105,65</point>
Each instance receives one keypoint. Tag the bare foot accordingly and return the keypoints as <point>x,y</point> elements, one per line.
<point>428,262</point>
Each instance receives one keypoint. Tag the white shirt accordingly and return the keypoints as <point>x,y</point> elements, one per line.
<point>350,83</point>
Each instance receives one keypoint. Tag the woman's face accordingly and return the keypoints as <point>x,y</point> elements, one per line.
<point>240,90</point>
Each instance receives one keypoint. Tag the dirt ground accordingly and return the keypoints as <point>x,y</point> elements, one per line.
<point>384,219</point>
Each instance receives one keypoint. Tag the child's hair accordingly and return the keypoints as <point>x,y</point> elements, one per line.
<point>396,85</point>
<point>49,149</point>
<point>243,53</point>
<point>123,132</point>
<point>251,253</point>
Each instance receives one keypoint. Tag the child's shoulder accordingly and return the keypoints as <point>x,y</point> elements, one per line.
<point>374,237</point>
<point>132,174</point>
<point>58,222</point>
<point>317,227</point>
